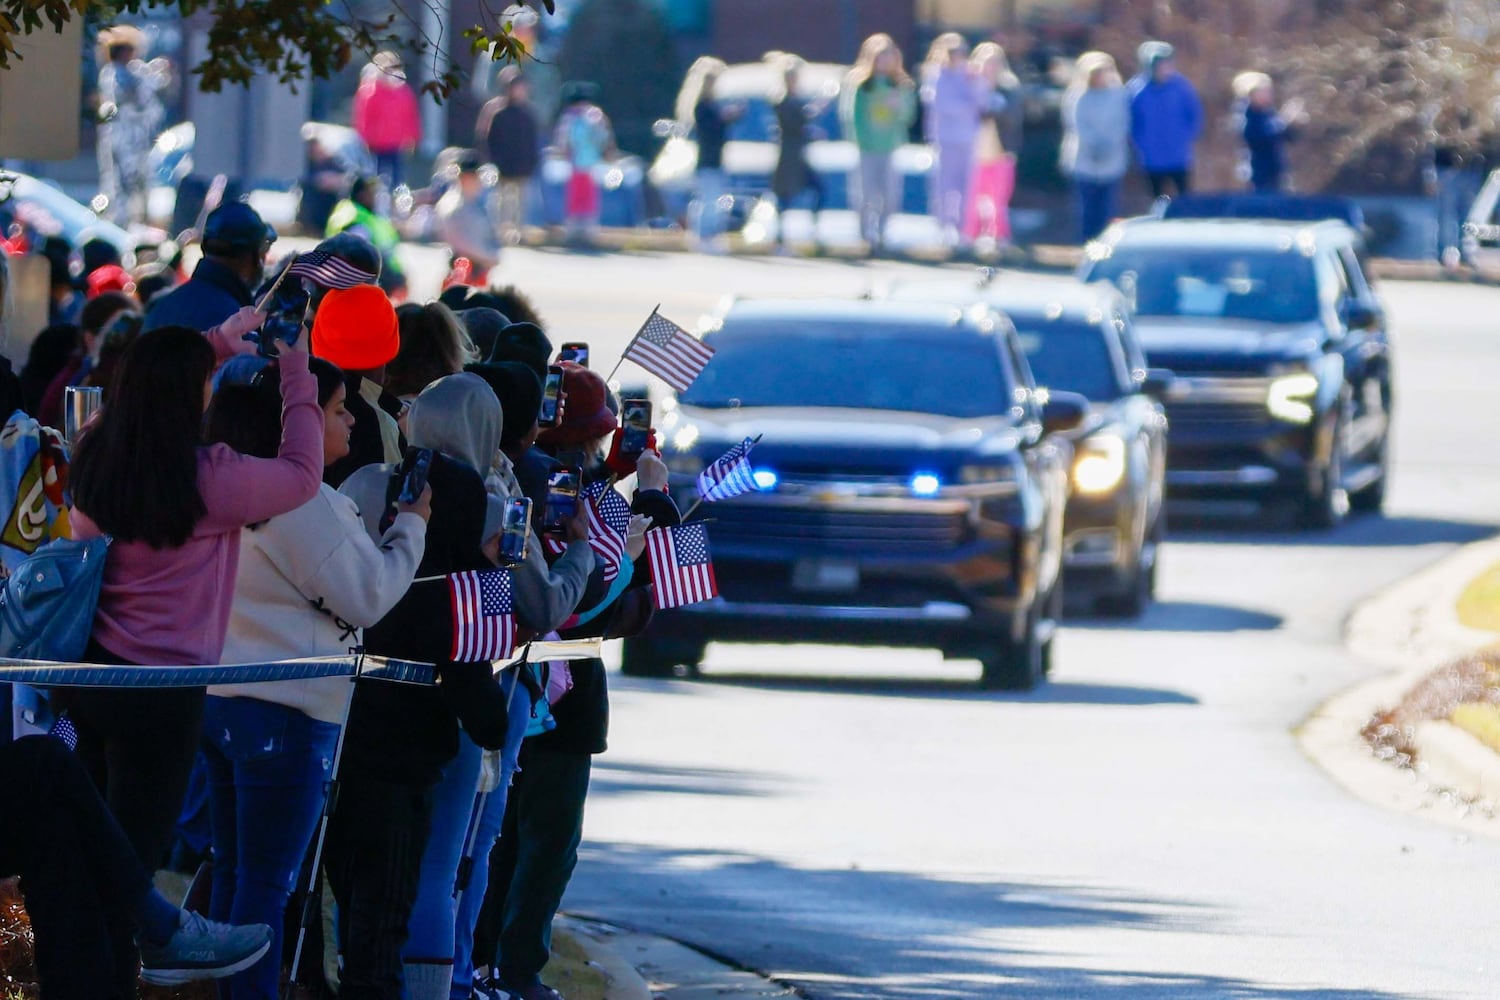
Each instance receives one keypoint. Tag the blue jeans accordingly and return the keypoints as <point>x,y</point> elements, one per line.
<point>1096,206</point>
<point>1457,187</point>
<point>430,927</point>
<point>268,770</point>
<point>486,833</point>
<point>708,190</point>
<point>388,168</point>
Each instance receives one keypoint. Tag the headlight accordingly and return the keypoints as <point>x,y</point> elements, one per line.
<point>1290,397</point>
<point>1099,465</point>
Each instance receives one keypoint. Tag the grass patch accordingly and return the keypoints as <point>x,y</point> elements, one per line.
<point>568,970</point>
<point>1479,604</point>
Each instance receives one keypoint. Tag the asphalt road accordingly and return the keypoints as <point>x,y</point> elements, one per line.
<point>863,824</point>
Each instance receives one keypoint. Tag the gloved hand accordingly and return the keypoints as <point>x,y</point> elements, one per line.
<point>624,465</point>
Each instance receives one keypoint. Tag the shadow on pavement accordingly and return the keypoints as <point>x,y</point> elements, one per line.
<point>840,934</point>
<point>1185,616</point>
<point>612,777</point>
<point>1050,693</point>
<point>1206,526</point>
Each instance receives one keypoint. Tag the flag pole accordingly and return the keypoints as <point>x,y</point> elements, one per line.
<point>266,298</point>
<point>692,510</point>
<point>615,370</point>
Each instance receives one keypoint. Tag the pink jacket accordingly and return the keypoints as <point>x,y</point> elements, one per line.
<point>171,606</point>
<point>385,114</point>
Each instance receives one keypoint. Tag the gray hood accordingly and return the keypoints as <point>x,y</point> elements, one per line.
<point>459,416</point>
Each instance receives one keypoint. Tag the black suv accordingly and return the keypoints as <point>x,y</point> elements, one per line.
<point>1079,338</point>
<point>1277,341</point>
<point>912,484</point>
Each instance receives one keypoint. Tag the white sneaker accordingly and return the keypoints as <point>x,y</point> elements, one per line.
<point>202,949</point>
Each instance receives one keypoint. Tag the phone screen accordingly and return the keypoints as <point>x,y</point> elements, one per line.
<point>515,530</point>
<point>551,391</point>
<point>416,476</point>
<point>635,416</point>
<point>562,498</point>
<point>576,352</point>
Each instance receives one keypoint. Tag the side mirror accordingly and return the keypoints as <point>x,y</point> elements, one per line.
<point>1358,316</point>
<point>1158,383</point>
<point>1063,412</point>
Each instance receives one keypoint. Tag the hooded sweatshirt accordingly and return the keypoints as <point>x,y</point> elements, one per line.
<point>1096,134</point>
<point>1165,120</point>
<point>953,99</point>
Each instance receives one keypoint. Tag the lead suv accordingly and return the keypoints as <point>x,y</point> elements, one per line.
<point>912,482</point>
<point>1278,347</point>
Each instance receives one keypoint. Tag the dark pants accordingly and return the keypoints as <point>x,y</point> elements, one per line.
<point>1096,206</point>
<point>1168,182</point>
<point>374,860</point>
<point>388,167</point>
<point>532,863</point>
<point>139,745</point>
<point>79,874</point>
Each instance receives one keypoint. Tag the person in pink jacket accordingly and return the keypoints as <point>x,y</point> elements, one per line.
<point>386,115</point>
<point>174,509</point>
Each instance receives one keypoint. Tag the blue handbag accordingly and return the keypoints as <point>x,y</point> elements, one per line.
<point>48,603</point>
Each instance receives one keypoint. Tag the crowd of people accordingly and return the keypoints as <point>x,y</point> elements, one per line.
<point>258,510</point>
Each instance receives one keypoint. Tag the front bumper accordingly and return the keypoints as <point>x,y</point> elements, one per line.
<point>1244,452</point>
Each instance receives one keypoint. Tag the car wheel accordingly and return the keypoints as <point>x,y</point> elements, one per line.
<point>1021,664</point>
<point>1141,590</point>
<point>1327,503</point>
<point>646,657</point>
<point>1371,499</point>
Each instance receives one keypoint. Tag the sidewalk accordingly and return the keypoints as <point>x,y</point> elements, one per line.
<point>597,961</point>
<point>1412,629</point>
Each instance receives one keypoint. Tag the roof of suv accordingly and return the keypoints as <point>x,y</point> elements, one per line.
<point>1267,234</point>
<point>1011,291</point>
<point>929,312</point>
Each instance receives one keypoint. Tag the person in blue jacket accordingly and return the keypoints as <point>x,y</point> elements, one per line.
<point>235,242</point>
<point>1166,118</point>
<point>1265,129</point>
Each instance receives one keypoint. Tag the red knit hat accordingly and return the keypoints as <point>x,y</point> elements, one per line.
<point>586,414</point>
<point>356,328</point>
<point>110,278</point>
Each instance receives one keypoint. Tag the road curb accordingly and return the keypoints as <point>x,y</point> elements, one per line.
<point>639,966</point>
<point>1412,628</point>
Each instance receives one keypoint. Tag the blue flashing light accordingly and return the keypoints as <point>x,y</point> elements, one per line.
<point>766,479</point>
<point>925,484</point>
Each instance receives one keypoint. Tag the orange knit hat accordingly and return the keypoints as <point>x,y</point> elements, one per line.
<point>356,328</point>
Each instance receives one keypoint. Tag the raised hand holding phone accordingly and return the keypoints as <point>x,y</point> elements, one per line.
<point>421,506</point>
<point>650,472</point>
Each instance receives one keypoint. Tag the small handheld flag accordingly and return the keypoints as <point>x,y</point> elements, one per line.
<point>681,568</point>
<point>729,475</point>
<point>669,352</point>
<point>322,268</point>
<point>484,621</point>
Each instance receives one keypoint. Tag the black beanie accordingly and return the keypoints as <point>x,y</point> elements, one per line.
<point>526,343</point>
<point>483,326</point>
<point>520,393</point>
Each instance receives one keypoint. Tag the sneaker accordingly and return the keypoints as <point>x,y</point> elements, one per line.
<point>490,989</point>
<point>202,949</point>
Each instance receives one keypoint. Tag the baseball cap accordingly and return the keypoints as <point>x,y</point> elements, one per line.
<point>235,226</point>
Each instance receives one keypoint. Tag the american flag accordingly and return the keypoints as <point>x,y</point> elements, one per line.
<point>669,352</point>
<point>63,730</point>
<point>681,567</point>
<point>730,475</point>
<point>324,269</point>
<point>484,621</point>
<point>609,520</point>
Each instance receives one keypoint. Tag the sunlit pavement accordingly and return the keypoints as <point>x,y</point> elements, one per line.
<point>865,824</point>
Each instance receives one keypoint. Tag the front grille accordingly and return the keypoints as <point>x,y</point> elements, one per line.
<point>830,531</point>
<point>1190,414</point>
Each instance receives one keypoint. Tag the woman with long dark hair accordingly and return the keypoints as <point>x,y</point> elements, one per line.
<point>174,508</point>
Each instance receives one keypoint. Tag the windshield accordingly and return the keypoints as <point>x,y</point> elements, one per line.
<point>1070,356</point>
<point>855,365</point>
<point>1263,286</point>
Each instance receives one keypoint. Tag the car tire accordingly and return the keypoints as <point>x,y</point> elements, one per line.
<point>1371,499</point>
<point>1141,591</point>
<point>641,656</point>
<point>1022,664</point>
<point>1325,507</point>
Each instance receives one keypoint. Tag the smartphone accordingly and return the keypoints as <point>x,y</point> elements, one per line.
<point>515,530</point>
<point>551,393</point>
<point>562,499</point>
<point>284,316</point>
<point>635,419</point>
<point>417,467</point>
<point>575,351</point>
